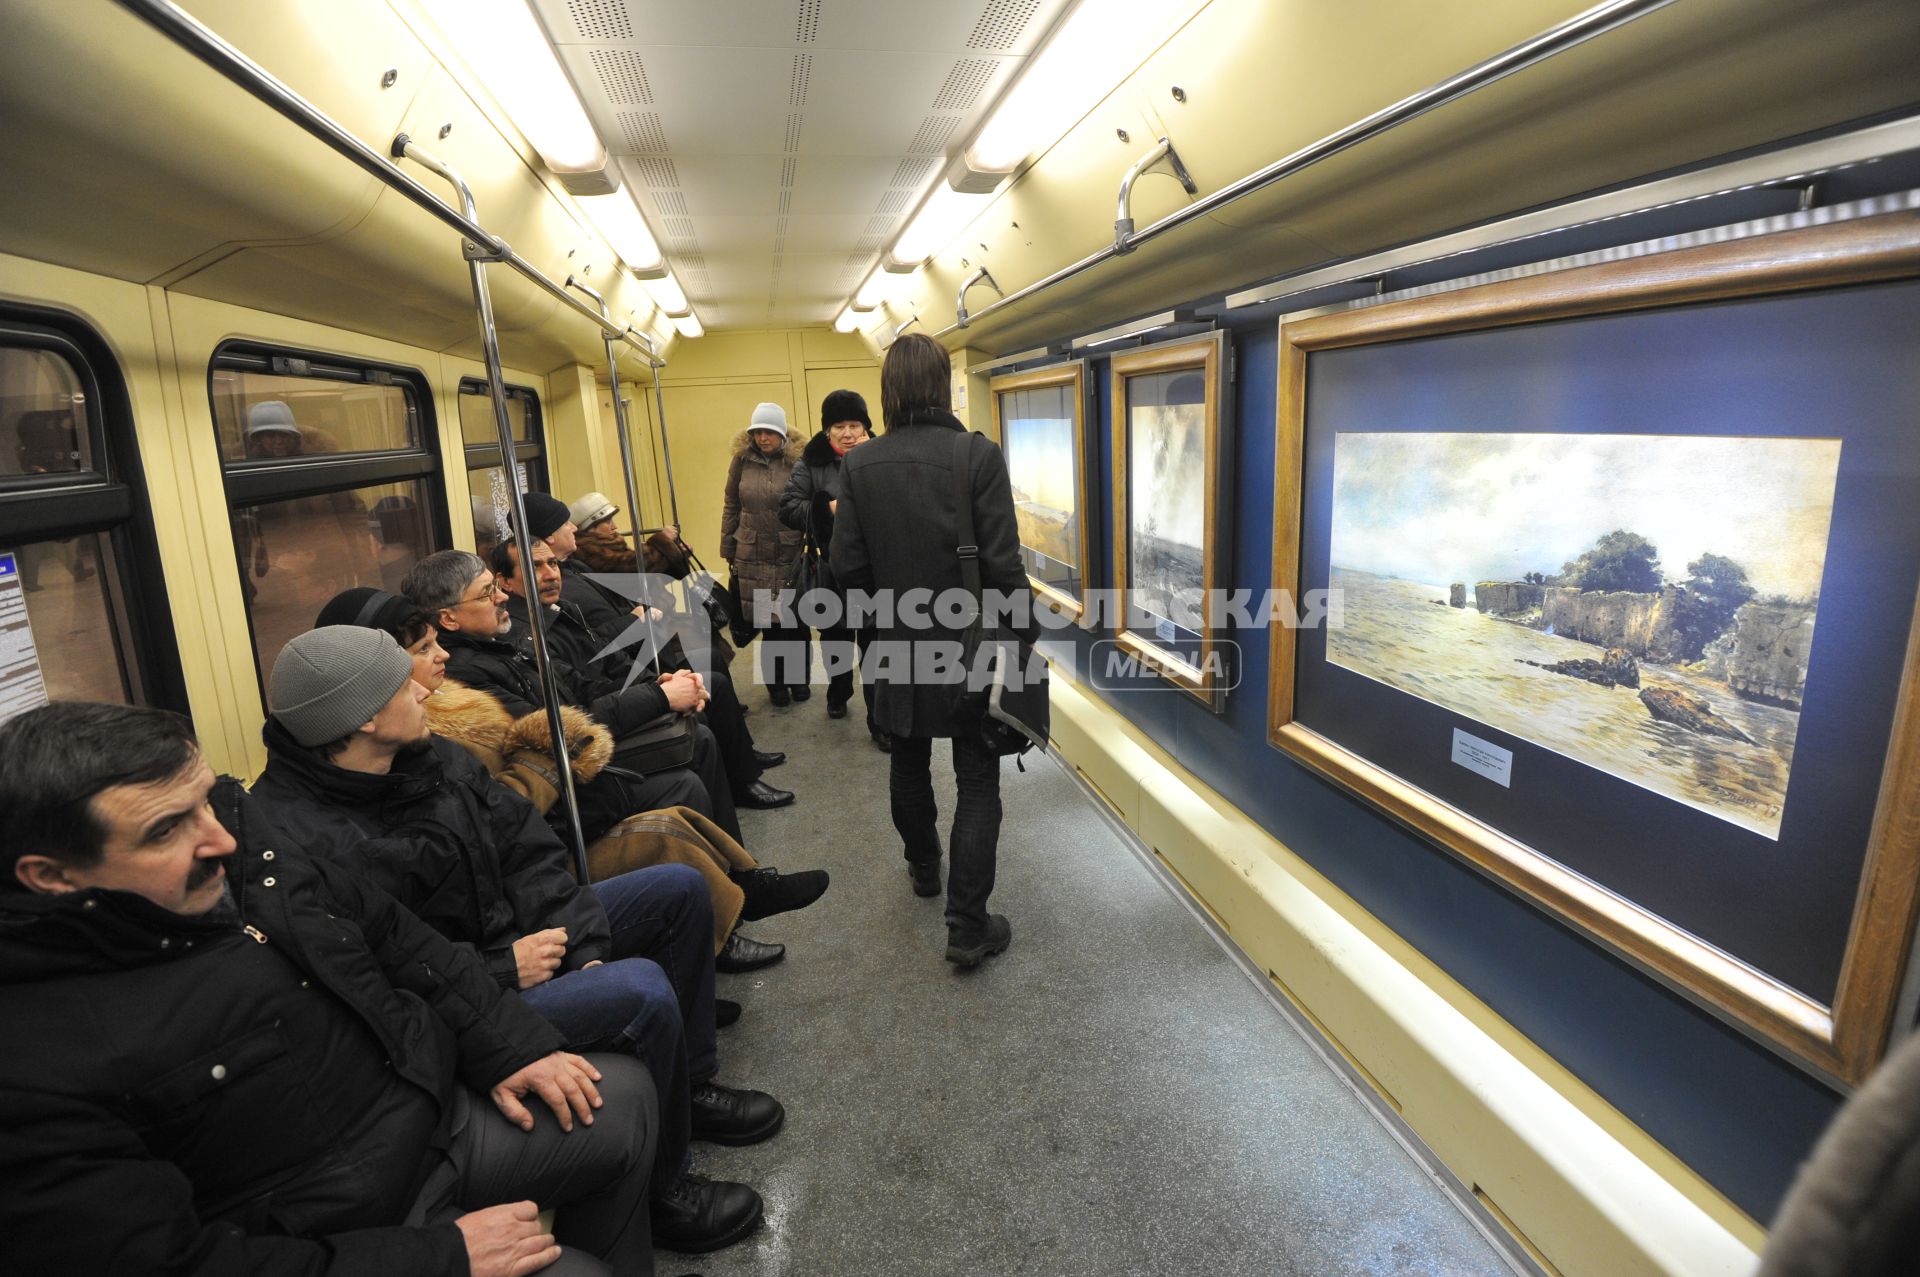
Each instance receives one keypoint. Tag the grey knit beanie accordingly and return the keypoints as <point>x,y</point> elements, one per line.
<point>329,681</point>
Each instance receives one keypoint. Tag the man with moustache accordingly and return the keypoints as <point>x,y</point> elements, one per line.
<point>228,1057</point>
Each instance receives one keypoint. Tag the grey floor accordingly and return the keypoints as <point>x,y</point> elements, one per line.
<point>1112,1095</point>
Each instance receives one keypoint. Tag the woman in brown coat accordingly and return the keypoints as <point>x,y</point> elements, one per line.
<point>761,550</point>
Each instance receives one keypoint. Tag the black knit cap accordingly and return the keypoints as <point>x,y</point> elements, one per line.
<point>545,514</point>
<point>367,607</point>
<point>844,405</point>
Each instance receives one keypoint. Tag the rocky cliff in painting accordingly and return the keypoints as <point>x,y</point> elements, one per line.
<point>1764,656</point>
<point>1503,598</point>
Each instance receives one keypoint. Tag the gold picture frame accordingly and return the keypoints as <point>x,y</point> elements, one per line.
<point>1844,1039</point>
<point>1201,673</point>
<point>1072,375</point>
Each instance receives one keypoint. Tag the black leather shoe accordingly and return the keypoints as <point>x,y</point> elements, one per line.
<point>732,1115</point>
<point>881,741</point>
<point>761,794</point>
<point>694,1214</point>
<point>801,692</point>
<point>971,952</point>
<point>769,757</point>
<point>777,694</point>
<point>926,877</point>
<point>769,891</point>
<point>836,711</point>
<point>743,953</point>
<point>725,1012</point>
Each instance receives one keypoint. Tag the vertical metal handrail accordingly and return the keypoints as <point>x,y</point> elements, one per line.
<point>666,450</point>
<point>478,255</point>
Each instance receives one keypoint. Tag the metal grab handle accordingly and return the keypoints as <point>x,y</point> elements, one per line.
<point>478,255</point>
<point>1123,216</point>
<point>980,276</point>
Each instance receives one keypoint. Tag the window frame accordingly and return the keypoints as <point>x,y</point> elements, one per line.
<point>109,500</point>
<point>531,452</point>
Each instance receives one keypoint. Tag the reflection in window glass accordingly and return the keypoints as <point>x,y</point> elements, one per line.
<point>262,416</point>
<point>492,505</point>
<point>476,420</point>
<point>70,630</point>
<point>297,554</point>
<point>43,415</point>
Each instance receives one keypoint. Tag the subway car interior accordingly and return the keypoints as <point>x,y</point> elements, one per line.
<point>1425,866</point>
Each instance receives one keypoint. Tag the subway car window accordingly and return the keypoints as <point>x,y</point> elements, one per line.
<point>486,476</point>
<point>330,482</point>
<point>83,614</point>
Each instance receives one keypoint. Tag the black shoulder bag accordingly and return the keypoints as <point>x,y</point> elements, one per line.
<point>1016,714</point>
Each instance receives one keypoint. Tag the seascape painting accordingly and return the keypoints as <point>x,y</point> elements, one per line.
<point>1643,604</point>
<point>1167,496</point>
<point>1038,439</point>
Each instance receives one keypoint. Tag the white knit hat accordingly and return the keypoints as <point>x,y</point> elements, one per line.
<point>769,416</point>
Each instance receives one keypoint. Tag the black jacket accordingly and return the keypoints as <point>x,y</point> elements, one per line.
<point>475,860</point>
<point>185,1097</point>
<point>807,503</point>
<point>902,534</point>
<point>506,669</point>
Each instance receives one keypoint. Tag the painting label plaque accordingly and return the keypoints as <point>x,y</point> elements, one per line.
<point>1483,757</point>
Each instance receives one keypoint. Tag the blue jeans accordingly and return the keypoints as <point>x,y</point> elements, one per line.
<point>972,847</point>
<point>653,999</point>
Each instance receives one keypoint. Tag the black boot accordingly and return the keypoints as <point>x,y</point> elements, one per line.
<point>732,1115</point>
<point>801,692</point>
<point>694,1214</point>
<point>769,891</point>
<point>926,877</point>
<point>971,951</point>
<point>777,693</point>
<point>725,1012</point>
<point>881,741</point>
<point>743,953</point>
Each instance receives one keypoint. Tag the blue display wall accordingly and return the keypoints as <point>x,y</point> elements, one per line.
<point>1731,1109</point>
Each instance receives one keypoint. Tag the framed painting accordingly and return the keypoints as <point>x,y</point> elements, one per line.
<point>1169,518</point>
<point>1625,558</point>
<point>1040,417</point>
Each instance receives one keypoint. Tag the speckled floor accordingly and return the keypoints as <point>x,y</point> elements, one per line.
<point>1112,1095</point>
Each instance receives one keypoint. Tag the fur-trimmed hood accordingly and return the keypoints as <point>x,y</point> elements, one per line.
<point>743,447</point>
<point>477,722</point>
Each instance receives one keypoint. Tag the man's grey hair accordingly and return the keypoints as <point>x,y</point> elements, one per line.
<point>440,579</point>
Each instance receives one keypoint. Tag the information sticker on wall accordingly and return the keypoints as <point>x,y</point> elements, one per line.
<point>21,686</point>
<point>1483,757</point>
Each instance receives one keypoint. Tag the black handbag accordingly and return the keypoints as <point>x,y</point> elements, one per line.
<point>657,745</point>
<point>804,576</point>
<point>1014,711</point>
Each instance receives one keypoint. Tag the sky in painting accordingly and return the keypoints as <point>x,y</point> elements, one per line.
<point>1438,508</point>
<point>1040,460</point>
<point>1167,455</point>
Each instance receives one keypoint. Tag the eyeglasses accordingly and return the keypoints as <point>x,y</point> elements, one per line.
<point>485,596</point>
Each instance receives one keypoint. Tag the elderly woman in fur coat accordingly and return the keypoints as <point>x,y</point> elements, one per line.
<point>762,551</point>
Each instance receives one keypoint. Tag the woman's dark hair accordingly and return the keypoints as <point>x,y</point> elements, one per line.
<point>55,759</point>
<point>916,377</point>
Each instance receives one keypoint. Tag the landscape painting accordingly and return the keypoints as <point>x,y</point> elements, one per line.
<point>1039,438</point>
<point>1644,604</point>
<point>1167,496</point>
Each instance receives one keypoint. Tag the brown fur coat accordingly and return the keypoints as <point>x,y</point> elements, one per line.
<point>518,751</point>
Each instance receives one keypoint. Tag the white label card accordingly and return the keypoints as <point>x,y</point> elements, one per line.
<point>1483,757</point>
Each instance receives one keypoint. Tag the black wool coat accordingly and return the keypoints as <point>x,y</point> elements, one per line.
<point>475,860</point>
<point>186,1097</point>
<point>806,505</point>
<point>897,531</point>
<point>505,668</point>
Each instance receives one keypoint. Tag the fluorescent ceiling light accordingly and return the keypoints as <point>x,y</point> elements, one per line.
<point>689,326</point>
<point>1099,44</point>
<point>942,217</point>
<point>503,43</point>
<point>873,292</point>
<point>846,322</point>
<point>620,221</point>
<point>667,296</point>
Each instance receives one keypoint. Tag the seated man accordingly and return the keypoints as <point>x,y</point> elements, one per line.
<point>243,1060</point>
<point>587,623</point>
<point>464,598</point>
<point>626,965</point>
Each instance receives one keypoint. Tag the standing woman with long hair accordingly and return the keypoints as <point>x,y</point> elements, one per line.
<point>812,497</point>
<point>896,530</point>
<point>760,550</point>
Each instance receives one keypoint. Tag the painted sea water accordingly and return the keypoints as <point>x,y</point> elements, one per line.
<point>1404,634</point>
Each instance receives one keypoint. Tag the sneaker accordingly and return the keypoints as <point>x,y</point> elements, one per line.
<point>769,891</point>
<point>732,1115</point>
<point>694,1214</point>
<point>972,952</point>
<point>926,877</point>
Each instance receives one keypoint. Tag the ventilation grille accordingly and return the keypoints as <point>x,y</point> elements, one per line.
<point>911,173</point>
<point>807,25</point>
<point>1001,25</point>
<point>964,82</point>
<point>642,130</point>
<point>786,202</point>
<point>678,228</point>
<point>658,172</point>
<point>891,202</point>
<point>793,132</point>
<point>933,135</point>
<point>797,83</point>
<point>788,167</point>
<point>600,19</point>
<point>867,244</point>
<point>623,76</point>
<point>672,202</point>
<point>879,225</point>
